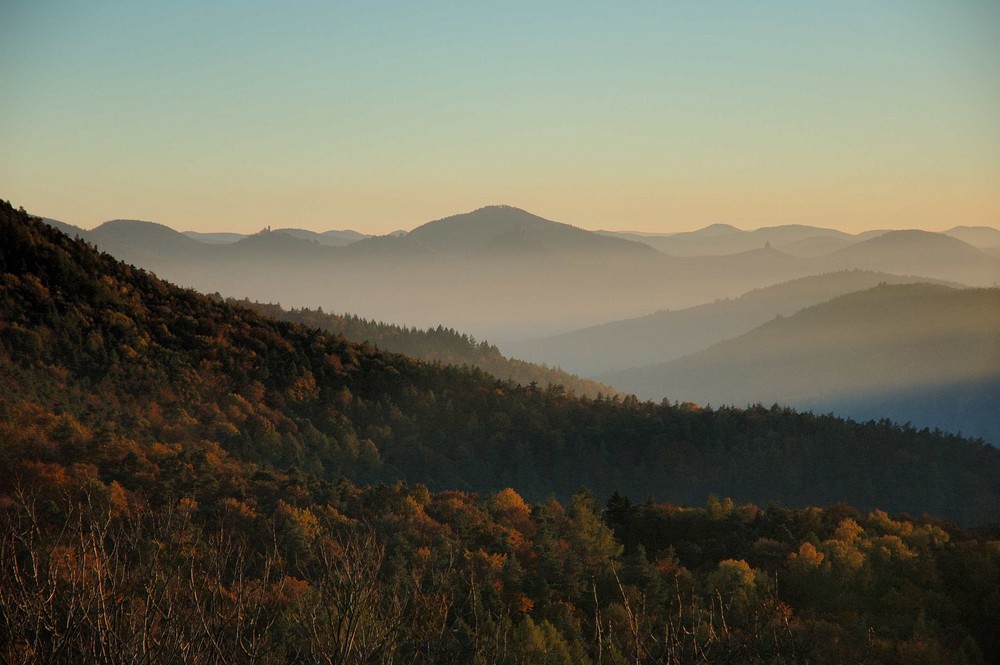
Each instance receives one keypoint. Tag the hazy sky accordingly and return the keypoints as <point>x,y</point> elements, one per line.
<point>658,116</point>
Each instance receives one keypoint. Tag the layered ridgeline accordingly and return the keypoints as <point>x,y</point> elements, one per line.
<point>440,345</point>
<point>924,353</point>
<point>665,335</point>
<point>130,362</point>
<point>504,274</point>
<point>174,480</point>
<point>795,239</point>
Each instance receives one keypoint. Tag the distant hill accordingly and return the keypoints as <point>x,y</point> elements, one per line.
<point>922,353</point>
<point>919,252</point>
<point>269,245</point>
<point>722,239</point>
<point>670,334</point>
<point>985,238</point>
<point>329,238</point>
<point>506,227</point>
<point>141,237</point>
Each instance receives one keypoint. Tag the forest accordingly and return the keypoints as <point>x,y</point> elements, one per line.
<point>184,479</point>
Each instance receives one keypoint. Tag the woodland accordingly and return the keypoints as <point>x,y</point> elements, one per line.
<point>186,479</point>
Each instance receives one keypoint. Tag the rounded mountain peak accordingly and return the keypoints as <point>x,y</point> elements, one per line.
<point>473,231</point>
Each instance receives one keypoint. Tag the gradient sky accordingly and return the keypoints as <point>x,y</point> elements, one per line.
<point>659,116</point>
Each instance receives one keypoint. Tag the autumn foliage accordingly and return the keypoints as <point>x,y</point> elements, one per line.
<point>186,480</point>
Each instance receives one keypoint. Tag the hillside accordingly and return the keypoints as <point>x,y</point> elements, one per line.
<point>666,335</point>
<point>923,353</point>
<point>179,474</point>
<point>126,356</point>
<point>437,345</point>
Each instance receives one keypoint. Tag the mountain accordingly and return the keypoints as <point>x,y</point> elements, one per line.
<point>179,475</point>
<point>722,239</point>
<point>503,274</point>
<point>919,252</point>
<point>985,238</point>
<point>670,334</point>
<point>922,353</point>
<point>330,238</point>
<point>506,227</point>
<point>135,368</point>
<point>139,236</point>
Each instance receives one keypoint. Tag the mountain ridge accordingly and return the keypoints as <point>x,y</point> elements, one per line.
<point>668,334</point>
<point>137,363</point>
<point>880,342</point>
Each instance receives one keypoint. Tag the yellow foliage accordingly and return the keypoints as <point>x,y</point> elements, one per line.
<point>731,575</point>
<point>848,531</point>
<point>807,555</point>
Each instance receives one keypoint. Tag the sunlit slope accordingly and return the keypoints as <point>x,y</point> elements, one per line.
<point>939,345</point>
<point>670,334</point>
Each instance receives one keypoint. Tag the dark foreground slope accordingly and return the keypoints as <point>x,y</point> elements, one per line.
<point>167,494</point>
<point>135,362</point>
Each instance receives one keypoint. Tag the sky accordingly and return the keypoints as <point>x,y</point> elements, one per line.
<point>652,116</point>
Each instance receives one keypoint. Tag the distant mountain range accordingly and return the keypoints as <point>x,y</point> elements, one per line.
<point>504,274</point>
<point>670,334</point>
<point>795,239</point>
<point>921,353</point>
<point>109,374</point>
<point>329,238</point>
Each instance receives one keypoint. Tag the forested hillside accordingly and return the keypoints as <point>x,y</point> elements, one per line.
<point>127,357</point>
<point>180,475</point>
<point>442,345</point>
